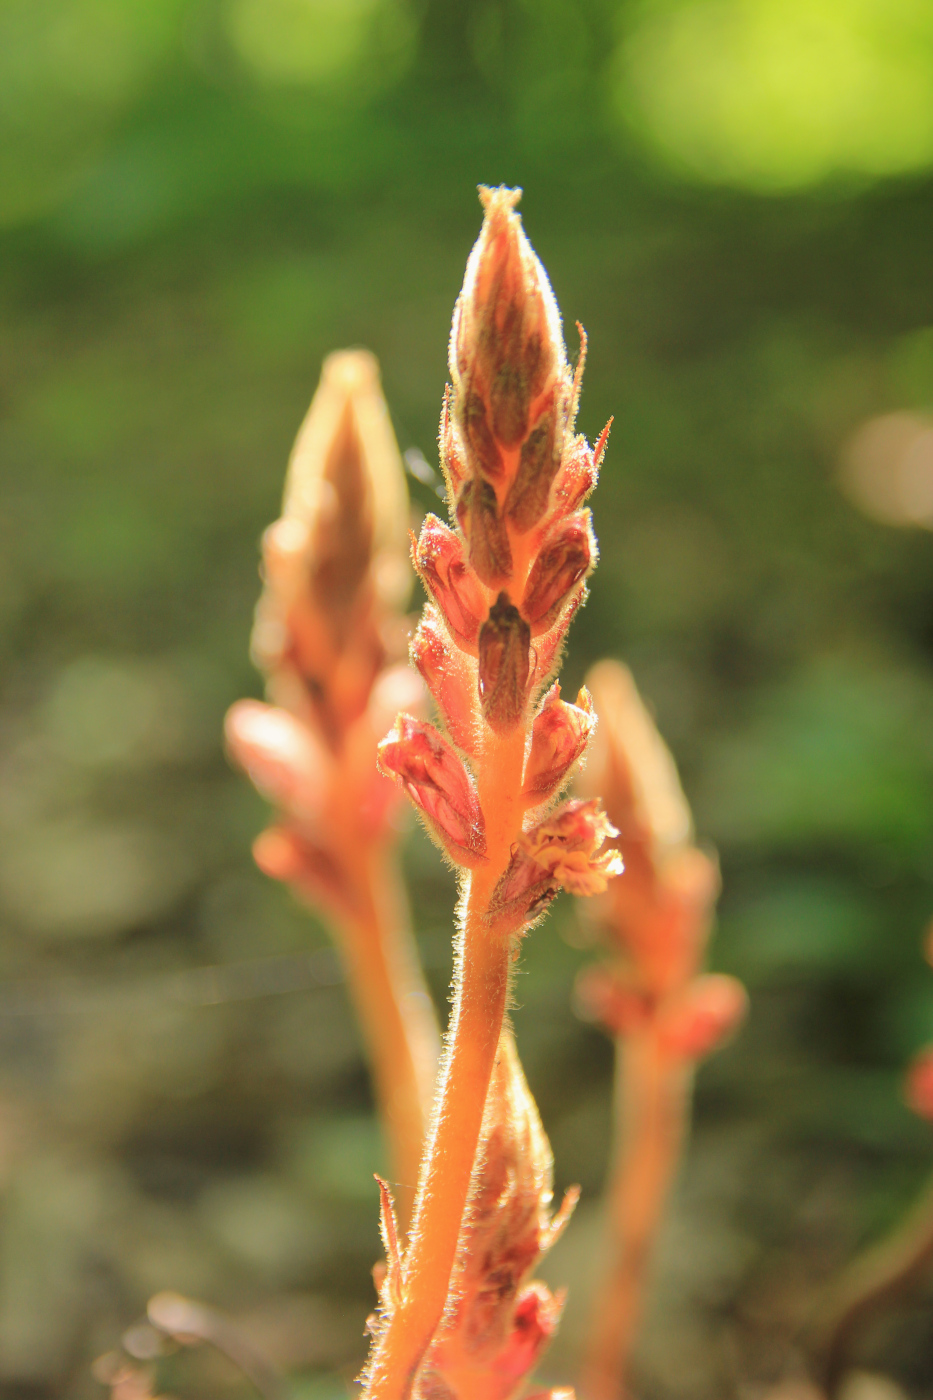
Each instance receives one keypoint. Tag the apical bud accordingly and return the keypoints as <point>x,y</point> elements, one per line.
<point>438,557</point>
<point>446,675</point>
<point>705,1013</point>
<point>506,341</point>
<point>512,385</point>
<point>334,564</point>
<point>559,737</point>
<point>504,659</point>
<point>566,557</point>
<point>431,772</point>
<point>485,530</point>
<point>348,416</point>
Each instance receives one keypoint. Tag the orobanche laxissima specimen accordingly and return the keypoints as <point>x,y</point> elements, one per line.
<point>457,1314</point>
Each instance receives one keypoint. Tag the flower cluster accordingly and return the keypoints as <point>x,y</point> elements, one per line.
<point>326,625</point>
<point>505,579</point>
<point>329,637</point>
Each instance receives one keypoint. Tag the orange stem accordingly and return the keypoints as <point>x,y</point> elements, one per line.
<point>481,980</point>
<point>652,1095</point>
<point>395,1014</point>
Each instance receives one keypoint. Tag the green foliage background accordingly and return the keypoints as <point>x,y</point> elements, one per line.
<point>197,201</point>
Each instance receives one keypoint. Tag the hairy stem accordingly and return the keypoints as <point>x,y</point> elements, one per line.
<point>395,1015</point>
<point>652,1093</point>
<point>481,979</point>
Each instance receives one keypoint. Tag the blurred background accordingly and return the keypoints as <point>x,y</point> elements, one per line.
<point>198,200</point>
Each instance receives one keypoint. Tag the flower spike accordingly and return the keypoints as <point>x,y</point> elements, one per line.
<point>504,583</point>
<point>336,578</point>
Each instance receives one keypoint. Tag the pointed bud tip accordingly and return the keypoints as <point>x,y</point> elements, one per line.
<point>494,197</point>
<point>351,371</point>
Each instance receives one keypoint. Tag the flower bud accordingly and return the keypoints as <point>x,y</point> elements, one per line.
<point>504,659</point>
<point>559,737</point>
<point>438,557</point>
<point>566,557</point>
<point>537,466</point>
<point>506,341</point>
<point>700,1019</point>
<point>548,646</point>
<point>430,771</point>
<point>347,433</point>
<point>284,759</point>
<point>485,530</point>
<point>512,388</point>
<point>579,472</point>
<point>445,674</point>
<point>334,564</point>
<point>483,452</point>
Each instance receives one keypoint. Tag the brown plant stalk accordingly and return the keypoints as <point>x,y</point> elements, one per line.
<point>649,994</point>
<point>504,584</point>
<point>327,625</point>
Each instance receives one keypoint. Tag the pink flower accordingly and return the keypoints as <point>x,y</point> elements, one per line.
<point>566,845</point>
<point>560,852</point>
<point>439,559</point>
<point>559,737</point>
<point>434,777</point>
